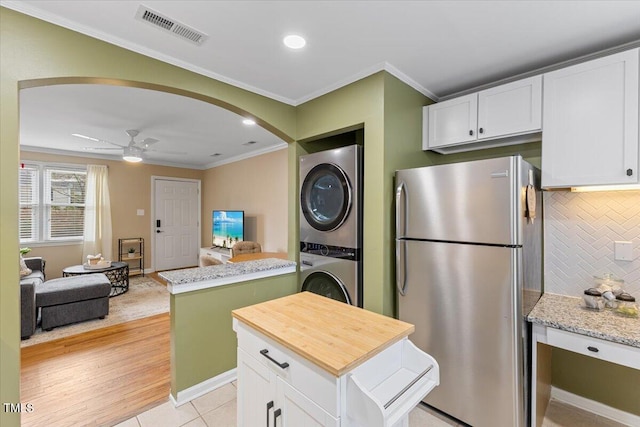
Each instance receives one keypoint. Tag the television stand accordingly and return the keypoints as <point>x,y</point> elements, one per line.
<point>220,253</point>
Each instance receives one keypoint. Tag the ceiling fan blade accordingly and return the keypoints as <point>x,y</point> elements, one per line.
<point>147,142</point>
<point>101,149</point>
<point>90,138</point>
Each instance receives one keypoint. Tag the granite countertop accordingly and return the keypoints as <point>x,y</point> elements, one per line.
<point>333,335</point>
<point>567,314</point>
<point>216,275</point>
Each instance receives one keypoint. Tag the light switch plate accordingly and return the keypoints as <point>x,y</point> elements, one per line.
<point>622,251</point>
<point>140,212</point>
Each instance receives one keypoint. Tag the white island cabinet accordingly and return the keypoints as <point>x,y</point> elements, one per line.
<point>306,360</point>
<point>591,123</point>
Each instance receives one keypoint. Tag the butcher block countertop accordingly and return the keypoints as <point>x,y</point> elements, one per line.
<point>333,335</point>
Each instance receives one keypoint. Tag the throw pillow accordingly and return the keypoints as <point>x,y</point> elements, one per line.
<point>24,270</point>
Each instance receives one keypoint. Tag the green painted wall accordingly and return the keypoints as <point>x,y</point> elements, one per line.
<point>402,150</point>
<point>611,384</point>
<point>32,49</point>
<point>203,344</point>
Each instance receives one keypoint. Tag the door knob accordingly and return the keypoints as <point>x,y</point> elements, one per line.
<point>159,231</point>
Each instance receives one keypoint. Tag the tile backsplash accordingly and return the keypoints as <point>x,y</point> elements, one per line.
<point>579,234</point>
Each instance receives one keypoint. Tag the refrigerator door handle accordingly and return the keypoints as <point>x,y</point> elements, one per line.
<point>401,266</point>
<point>401,209</point>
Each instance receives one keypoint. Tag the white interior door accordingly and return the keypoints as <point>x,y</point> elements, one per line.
<point>176,224</point>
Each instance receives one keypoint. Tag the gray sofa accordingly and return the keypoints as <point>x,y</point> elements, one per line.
<point>60,301</point>
<point>28,312</point>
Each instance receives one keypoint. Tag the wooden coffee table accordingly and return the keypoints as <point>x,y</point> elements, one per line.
<point>118,275</point>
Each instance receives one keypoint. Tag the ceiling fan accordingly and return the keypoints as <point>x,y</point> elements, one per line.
<point>133,151</point>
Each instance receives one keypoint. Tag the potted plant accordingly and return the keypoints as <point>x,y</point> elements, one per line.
<point>132,252</point>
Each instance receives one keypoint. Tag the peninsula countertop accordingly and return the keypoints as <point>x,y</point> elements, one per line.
<point>333,335</point>
<point>567,314</point>
<point>191,279</point>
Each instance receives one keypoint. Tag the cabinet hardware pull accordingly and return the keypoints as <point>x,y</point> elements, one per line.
<point>481,130</point>
<point>407,387</point>
<point>594,349</point>
<point>629,172</point>
<point>265,353</point>
<point>471,132</point>
<point>276,414</point>
<point>269,407</point>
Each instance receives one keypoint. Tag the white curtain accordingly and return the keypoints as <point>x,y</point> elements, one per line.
<point>97,214</point>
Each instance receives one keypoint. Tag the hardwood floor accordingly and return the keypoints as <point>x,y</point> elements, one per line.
<point>98,378</point>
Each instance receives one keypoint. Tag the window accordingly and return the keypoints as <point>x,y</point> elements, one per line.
<point>51,203</point>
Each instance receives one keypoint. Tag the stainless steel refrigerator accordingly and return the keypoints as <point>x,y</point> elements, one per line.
<point>468,271</point>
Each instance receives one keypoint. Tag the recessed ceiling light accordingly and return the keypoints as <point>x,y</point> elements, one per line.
<point>249,122</point>
<point>294,41</point>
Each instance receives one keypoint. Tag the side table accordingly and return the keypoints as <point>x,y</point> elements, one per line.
<point>118,275</point>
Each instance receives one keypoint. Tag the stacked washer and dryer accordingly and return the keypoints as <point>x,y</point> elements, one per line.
<point>331,224</point>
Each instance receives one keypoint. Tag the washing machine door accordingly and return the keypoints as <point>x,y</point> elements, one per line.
<point>327,285</point>
<point>326,197</point>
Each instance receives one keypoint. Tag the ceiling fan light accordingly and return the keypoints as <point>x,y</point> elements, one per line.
<point>132,154</point>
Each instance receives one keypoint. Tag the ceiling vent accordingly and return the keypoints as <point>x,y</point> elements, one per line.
<point>170,25</point>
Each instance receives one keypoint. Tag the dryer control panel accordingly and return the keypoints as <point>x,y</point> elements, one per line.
<point>350,254</point>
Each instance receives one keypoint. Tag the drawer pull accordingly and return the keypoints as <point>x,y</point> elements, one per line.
<point>265,353</point>
<point>269,407</point>
<point>407,387</point>
<point>594,349</point>
<point>276,414</point>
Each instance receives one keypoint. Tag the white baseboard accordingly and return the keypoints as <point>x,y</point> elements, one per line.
<point>204,387</point>
<point>595,407</point>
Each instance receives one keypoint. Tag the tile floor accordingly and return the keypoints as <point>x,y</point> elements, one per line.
<point>218,409</point>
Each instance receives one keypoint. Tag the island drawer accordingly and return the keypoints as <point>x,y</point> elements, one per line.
<point>595,347</point>
<point>312,381</point>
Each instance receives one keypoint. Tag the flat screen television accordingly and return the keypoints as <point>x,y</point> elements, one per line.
<point>227,228</point>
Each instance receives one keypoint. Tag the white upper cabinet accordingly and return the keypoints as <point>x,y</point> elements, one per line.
<point>510,109</point>
<point>591,123</point>
<point>452,122</point>
<point>502,115</point>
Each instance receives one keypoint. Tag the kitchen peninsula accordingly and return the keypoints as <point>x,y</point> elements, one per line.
<point>193,279</point>
<point>307,358</point>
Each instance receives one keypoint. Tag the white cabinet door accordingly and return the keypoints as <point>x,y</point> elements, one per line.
<point>511,108</point>
<point>256,392</point>
<point>591,123</point>
<point>298,410</point>
<point>453,121</point>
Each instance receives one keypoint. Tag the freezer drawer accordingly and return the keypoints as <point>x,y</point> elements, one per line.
<point>464,302</point>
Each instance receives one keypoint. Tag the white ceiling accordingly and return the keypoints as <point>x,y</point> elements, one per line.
<point>49,115</point>
<point>438,47</point>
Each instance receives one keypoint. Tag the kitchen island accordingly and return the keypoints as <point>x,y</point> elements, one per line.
<point>562,322</point>
<point>309,358</point>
